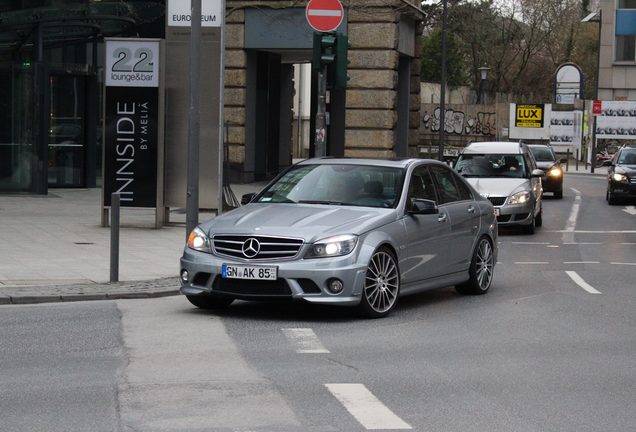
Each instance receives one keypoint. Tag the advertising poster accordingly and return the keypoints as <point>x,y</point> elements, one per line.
<point>131,114</point>
<point>565,129</point>
<point>617,120</point>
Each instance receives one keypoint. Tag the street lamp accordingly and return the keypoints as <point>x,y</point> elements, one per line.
<point>483,73</point>
<point>442,104</point>
<point>595,17</point>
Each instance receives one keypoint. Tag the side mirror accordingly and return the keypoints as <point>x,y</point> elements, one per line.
<point>247,198</point>
<point>423,206</point>
<point>563,160</point>
<point>537,173</point>
<point>608,162</point>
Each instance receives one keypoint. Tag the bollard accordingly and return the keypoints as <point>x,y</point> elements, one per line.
<point>114,237</point>
<point>577,159</point>
<point>567,160</point>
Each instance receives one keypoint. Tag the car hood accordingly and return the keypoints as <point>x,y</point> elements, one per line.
<point>498,186</point>
<point>306,221</point>
<point>626,169</point>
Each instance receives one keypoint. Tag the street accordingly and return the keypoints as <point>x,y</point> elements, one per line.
<point>551,347</point>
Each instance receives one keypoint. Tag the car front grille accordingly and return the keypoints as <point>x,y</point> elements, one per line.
<point>256,247</point>
<point>252,288</point>
<point>497,201</point>
<point>632,180</point>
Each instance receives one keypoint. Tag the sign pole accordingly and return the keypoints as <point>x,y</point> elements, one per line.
<point>192,194</point>
<point>221,108</point>
<point>321,120</point>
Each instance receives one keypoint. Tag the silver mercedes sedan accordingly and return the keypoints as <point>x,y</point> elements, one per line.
<point>350,232</point>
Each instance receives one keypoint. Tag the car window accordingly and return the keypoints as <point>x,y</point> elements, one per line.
<point>421,185</point>
<point>491,165</point>
<point>543,154</point>
<point>627,157</point>
<point>448,191</point>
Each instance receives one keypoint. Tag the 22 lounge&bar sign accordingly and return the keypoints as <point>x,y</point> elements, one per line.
<point>131,121</point>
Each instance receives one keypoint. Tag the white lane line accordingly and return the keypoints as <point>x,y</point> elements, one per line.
<point>595,231</point>
<point>530,243</point>
<point>365,407</point>
<point>628,243</point>
<point>620,263</point>
<point>570,226</point>
<point>580,282</point>
<point>531,262</point>
<point>581,262</point>
<point>584,243</point>
<point>305,340</point>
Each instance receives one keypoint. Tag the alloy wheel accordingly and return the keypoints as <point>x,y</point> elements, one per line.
<point>382,282</point>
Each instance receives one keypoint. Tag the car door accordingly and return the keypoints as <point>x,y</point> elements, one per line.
<point>457,200</point>
<point>426,235</point>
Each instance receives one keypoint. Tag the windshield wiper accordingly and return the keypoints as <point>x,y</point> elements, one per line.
<point>320,202</point>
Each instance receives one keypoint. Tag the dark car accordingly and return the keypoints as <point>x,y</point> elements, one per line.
<point>548,162</point>
<point>621,175</point>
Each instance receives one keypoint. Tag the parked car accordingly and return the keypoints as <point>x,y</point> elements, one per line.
<point>351,232</point>
<point>552,180</point>
<point>505,173</point>
<point>621,175</point>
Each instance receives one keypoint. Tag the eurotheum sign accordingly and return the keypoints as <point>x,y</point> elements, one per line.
<point>529,116</point>
<point>131,121</point>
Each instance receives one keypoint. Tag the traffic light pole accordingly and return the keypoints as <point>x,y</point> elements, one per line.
<point>320,143</point>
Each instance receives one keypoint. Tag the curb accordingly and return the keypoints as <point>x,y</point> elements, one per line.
<point>90,292</point>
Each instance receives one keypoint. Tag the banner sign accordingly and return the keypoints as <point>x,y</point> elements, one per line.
<point>530,116</point>
<point>131,122</point>
<point>617,120</point>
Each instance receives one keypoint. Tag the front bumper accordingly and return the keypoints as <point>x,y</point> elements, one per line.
<point>623,189</point>
<point>298,279</point>
<point>517,214</point>
<point>552,183</point>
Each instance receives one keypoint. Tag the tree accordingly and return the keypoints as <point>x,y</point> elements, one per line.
<point>432,59</point>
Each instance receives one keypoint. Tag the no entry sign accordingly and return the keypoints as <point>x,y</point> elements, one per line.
<point>324,15</point>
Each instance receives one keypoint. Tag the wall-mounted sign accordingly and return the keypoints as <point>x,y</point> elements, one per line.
<point>568,84</point>
<point>179,13</point>
<point>617,120</point>
<point>530,122</point>
<point>529,116</point>
<point>131,121</point>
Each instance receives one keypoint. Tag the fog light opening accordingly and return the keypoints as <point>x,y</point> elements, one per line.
<point>184,275</point>
<point>335,286</point>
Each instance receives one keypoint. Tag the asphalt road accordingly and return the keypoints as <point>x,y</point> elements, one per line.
<point>552,347</point>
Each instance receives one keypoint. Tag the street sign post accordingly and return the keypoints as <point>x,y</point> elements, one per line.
<point>324,15</point>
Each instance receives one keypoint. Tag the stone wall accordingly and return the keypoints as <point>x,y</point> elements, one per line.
<point>371,97</point>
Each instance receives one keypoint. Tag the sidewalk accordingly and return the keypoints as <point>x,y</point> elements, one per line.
<point>53,248</point>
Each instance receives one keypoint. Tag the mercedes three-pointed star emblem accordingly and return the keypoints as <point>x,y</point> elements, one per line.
<point>251,247</point>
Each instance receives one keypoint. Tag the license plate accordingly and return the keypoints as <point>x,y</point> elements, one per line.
<point>238,271</point>
<point>496,211</point>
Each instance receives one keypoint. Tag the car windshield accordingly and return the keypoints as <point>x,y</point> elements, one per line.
<point>491,165</point>
<point>542,154</point>
<point>337,184</point>
<point>627,157</point>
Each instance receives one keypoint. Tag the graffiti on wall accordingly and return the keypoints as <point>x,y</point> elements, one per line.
<point>457,122</point>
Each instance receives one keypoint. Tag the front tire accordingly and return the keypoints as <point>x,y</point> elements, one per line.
<point>381,285</point>
<point>481,270</point>
<point>611,199</point>
<point>530,228</point>
<point>208,302</point>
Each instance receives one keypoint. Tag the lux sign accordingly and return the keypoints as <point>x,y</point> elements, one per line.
<point>529,116</point>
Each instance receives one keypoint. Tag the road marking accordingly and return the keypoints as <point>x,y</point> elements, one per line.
<point>305,340</point>
<point>582,262</point>
<point>531,243</point>
<point>620,263</point>
<point>595,232</point>
<point>365,407</point>
<point>580,282</point>
<point>570,226</point>
<point>583,243</point>
<point>630,210</point>
<point>628,243</point>
<point>531,262</point>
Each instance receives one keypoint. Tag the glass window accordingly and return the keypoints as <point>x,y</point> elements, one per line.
<point>421,185</point>
<point>625,48</point>
<point>448,191</point>
<point>491,165</point>
<point>627,157</point>
<point>626,4</point>
<point>542,154</point>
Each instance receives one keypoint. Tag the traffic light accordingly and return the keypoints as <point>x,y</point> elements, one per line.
<point>330,50</point>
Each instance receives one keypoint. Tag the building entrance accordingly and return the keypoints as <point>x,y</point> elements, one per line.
<point>67,143</point>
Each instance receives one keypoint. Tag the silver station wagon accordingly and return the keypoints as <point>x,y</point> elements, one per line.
<point>348,232</point>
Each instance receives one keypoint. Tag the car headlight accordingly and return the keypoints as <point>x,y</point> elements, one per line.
<point>197,240</point>
<point>519,198</point>
<point>332,246</point>
<point>555,172</point>
<point>619,177</point>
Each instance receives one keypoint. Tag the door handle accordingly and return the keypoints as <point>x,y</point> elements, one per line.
<point>471,209</point>
<point>442,218</point>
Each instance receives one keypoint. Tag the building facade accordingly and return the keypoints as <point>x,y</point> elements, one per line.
<point>617,50</point>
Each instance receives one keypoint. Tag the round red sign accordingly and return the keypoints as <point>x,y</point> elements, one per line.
<point>324,15</point>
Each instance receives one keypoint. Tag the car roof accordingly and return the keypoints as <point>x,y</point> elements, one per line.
<point>397,163</point>
<point>508,147</point>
